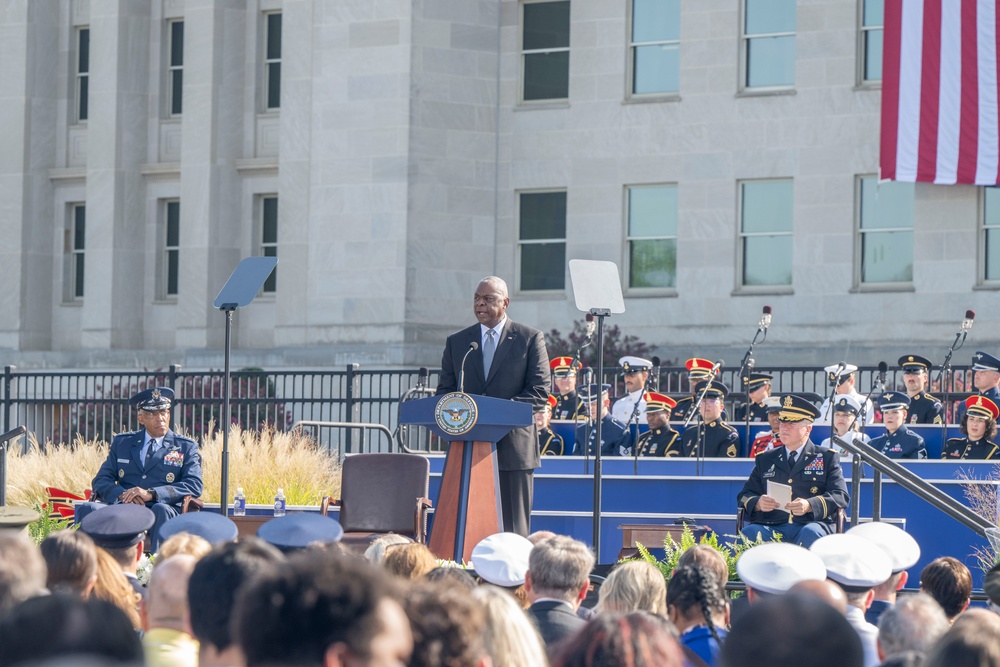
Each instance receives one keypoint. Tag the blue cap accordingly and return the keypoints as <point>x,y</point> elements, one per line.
<point>213,527</point>
<point>118,526</point>
<point>893,400</point>
<point>591,392</point>
<point>153,399</point>
<point>982,361</point>
<point>299,530</point>
<point>715,390</point>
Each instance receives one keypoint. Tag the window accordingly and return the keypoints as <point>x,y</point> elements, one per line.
<point>871,41</point>
<point>766,233</point>
<point>75,237</point>
<point>885,223</point>
<point>654,47</point>
<point>651,235</point>
<point>545,51</point>
<point>272,60</point>
<point>175,68</point>
<point>768,48</point>
<point>170,274</point>
<point>990,243</point>
<point>542,244</point>
<point>82,73</point>
<point>269,238</point>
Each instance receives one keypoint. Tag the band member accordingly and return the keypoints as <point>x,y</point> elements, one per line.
<point>698,370</point>
<point>550,443</point>
<point>758,387</point>
<point>616,440</point>
<point>898,442</point>
<point>568,403</point>
<point>631,408</point>
<point>768,441</point>
<point>924,408</point>
<point>979,426</point>
<point>713,436</point>
<point>986,378</point>
<point>845,422</point>
<point>660,439</point>
<point>844,378</point>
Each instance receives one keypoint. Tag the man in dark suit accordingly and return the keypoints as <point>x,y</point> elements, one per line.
<point>557,581</point>
<point>511,362</point>
<point>153,466</point>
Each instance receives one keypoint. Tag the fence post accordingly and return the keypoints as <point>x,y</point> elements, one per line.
<point>8,402</point>
<point>349,405</point>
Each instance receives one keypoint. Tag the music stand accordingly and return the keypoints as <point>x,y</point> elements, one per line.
<point>241,288</point>
<point>597,289</point>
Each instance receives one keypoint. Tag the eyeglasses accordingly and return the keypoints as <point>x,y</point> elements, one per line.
<point>490,299</point>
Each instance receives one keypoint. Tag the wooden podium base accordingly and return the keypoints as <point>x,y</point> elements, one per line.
<point>468,506</point>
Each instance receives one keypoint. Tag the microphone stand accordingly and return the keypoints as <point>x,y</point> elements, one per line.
<point>635,418</point>
<point>590,423</point>
<point>700,453</point>
<point>599,314</point>
<point>746,366</point>
<point>878,384</point>
<point>833,392</point>
<point>944,374</point>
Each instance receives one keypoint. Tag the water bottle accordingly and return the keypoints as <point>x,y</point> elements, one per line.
<point>279,503</point>
<point>239,503</point>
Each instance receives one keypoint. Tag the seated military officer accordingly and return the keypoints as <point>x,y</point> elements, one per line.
<point>698,370</point>
<point>153,466</point>
<point>758,387</point>
<point>616,440</point>
<point>979,426</point>
<point>898,442</point>
<point>845,422</point>
<point>843,377</point>
<point>985,378</point>
<point>814,473</point>
<point>549,442</point>
<point>631,408</point>
<point>768,441</point>
<point>660,439</point>
<point>568,404</point>
<point>713,435</point>
<point>924,408</point>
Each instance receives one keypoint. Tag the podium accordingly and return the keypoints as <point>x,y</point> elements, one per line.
<point>468,506</point>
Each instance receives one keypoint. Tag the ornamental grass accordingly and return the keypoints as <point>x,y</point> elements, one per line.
<point>259,462</point>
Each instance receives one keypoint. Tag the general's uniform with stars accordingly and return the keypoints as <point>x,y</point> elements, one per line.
<point>924,408</point>
<point>568,406</point>
<point>902,443</point>
<point>550,443</point>
<point>966,448</point>
<point>661,441</point>
<point>616,440</point>
<point>720,439</point>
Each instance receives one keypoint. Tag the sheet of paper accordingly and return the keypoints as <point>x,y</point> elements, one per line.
<point>780,492</point>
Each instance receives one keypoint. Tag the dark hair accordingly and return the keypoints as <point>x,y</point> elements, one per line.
<point>638,639</point>
<point>63,625</point>
<point>449,626</point>
<point>292,614</point>
<point>991,427</point>
<point>695,584</point>
<point>949,582</point>
<point>451,576</point>
<point>71,558</point>
<point>216,580</point>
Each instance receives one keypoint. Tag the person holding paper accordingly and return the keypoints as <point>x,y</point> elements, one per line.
<point>807,478</point>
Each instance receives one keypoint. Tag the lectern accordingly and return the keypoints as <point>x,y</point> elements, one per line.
<point>468,506</point>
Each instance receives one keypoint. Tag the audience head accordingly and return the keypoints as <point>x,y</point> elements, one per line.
<point>213,527</point>
<point>182,544</point>
<point>825,590</point>
<point>694,597</point>
<point>949,582</point>
<point>774,567</point>
<point>502,559</point>
<point>540,535</point>
<point>166,604</point>
<point>902,550</point>
<point>71,559</point>
<point>812,634</point>
<point>120,530</point>
<point>559,567</point>
<point>376,550</point>
<point>912,624</point>
<point>409,561</point>
<point>451,576</point>
<point>215,582</point>
<point>633,586</point>
<point>22,570</point>
<point>113,586</point>
<point>321,607</point>
<point>971,642</point>
<point>711,559</point>
<point>449,627</point>
<point>854,563</point>
<point>638,639</point>
<point>511,639</point>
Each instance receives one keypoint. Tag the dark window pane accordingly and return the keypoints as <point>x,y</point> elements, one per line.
<point>177,43</point>
<point>656,69</point>
<point>992,255</point>
<point>83,54</point>
<point>887,257</point>
<point>271,284</point>
<point>273,36</point>
<point>84,94</point>
<point>173,258</point>
<point>769,16</point>
<point>173,223</point>
<point>274,86</point>
<point>873,55</point>
<point>656,20</point>
<point>653,263</point>
<point>767,260</point>
<point>543,215</point>
<point>79,227</point>
<point>176,91</point>
<point>767,207</point>
<point>771,61</point>
<point>270,220</point>
<point>543,266</point>
<point>546,25</point>
<point>546,76</point>
<point>78,277</point>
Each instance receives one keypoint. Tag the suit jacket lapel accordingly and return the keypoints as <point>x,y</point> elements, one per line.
<point>474,364</point>
<point>503,348</point>
<point>135,451</point>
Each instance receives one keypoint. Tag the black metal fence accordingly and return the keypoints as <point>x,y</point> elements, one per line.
<point>61,407</point>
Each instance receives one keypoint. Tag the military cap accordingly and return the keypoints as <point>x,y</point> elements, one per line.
<point>902,550</point>
<point>847,403</point>
<point>991,584</point>
<point>299,530</point>
<point>912,363</point>
<point>153,399</point>
<point>658,402</point>
<point>774,567</point>
<point>634,365</point>
<point>16,518</point>
<point>845,373</point>
<point>215,528</point>
<point>893,400</point>
<point>716,389</point>
<point>550,403</point>
<point>755,380</point>
<point>564,366</point>
<point>854,562</point>
<point>981,361</point>
<point>502,559</point>
<point>772,403</point>
<point>118,526</point>
<point>699,368</point>
<point>593,391</point>
<point>980,406</point>
<point>795,409</point>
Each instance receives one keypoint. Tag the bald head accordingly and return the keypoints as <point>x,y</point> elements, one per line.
<point>825,590</point>
<point>166,603</point>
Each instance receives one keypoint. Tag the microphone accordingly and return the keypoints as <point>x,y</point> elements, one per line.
<point>656,362</point>
<point>461,376</point>
<point>654,377</point>
<point>422,377</point>
<point>882,368</point>
<point>717,367</point>
<point>970,315</point>
<point>765,318</point>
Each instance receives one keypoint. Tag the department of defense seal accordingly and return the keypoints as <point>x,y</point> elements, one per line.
<point>456,413</point>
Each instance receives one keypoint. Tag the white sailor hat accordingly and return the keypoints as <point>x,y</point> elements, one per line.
<point>775,567</point>
<point>902,550</point>
<point>844,370</point>
<point>772,403</point>
<point>634,364</point>
<point>852,561</point>
<point>847,403</point>
<point>502,559</point>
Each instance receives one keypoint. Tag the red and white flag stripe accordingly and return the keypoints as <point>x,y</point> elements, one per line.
<point>940,111</point>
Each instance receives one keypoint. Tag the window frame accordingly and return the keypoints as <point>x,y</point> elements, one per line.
<point>174,72</point>
<point>859,246</point>
<point>629,238</point>
<point>74,251</point>
<point>741,286</point>
<point>630,56</point>
<point>267,63</point>
<point>744,45</point>
<point>263,247</point>
<point>522,53</point>
<point>862,55</point>
<point>81,77</point>
<point>982,280</point>
<point>519,289</point>
<point>166,250</point>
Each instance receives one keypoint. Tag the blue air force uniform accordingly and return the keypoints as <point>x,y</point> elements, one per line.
<point>616,439</point>
<point>903,444</point>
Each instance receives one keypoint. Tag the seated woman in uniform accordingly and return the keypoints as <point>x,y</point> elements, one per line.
<point>845,422</point>
<point>979,426</point>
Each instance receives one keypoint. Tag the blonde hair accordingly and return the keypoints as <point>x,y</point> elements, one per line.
<point>634,586</point>
<point>376,550</point>
<point>409,561</point>
<point>113,586</point>
<point>183,543</point>
<point>511,639</point>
